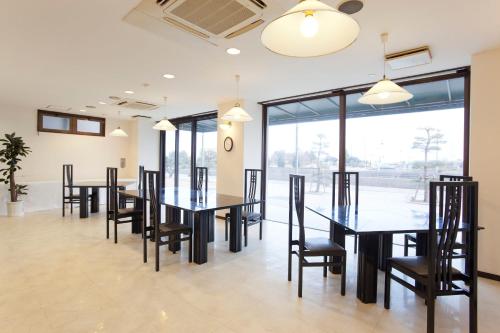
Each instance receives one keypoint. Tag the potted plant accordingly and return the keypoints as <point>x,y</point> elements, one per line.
<point>12,150</point>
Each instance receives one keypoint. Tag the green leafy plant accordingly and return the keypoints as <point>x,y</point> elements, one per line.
<point>13,148</point>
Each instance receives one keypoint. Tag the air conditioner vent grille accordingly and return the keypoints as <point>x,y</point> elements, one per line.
<point>215,16</point>
<point>136,105</point>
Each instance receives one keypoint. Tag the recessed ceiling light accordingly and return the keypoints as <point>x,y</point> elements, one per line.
<point>233,51</point>
<point>130,92</point>
<point>102,103</point>
<point>82,110</point>
<point>169,76</point>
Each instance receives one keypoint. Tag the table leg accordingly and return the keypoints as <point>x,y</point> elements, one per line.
<point>235,229</point>
<point>385,250</point>
<point>94,200</point>
<point>421,250</point>
<point>367,267</point>
<point>200,251</point>
<point>137,223</point>
<point>337,234</point>
<point>84,202</point>
<point>211,227</point>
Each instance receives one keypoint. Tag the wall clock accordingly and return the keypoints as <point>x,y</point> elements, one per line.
<point>228,143</point>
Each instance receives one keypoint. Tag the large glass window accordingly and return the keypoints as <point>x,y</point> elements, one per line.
<point>170,158</point>
<point>398,149</point>
<point>303,138</point>
<point>206,148</point>
<point>184,163</point>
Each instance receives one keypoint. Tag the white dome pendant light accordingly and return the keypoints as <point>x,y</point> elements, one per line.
<point>310,29</point>
<point>118,132</point>
<point>164,124</point>
<point>385,91</point>
<point>236,113</point>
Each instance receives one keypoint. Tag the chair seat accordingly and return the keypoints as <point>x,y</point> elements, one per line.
<point>174,228</point>
<point>126,212</point>
<point>323,247</point>
<point>416,265</point>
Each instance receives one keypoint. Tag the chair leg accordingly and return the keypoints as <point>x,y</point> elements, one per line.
<point>387,291</point>
<point>344,273</point>
<point>107,227</point>
<point>406,246</point>
<point>473,313</point>
<point>71,206</point>
<point>289,263</point>
<point>300,275</point>
<point>116,232</point>
<point>260,230</point>
<point>430,314</point>
<point>325,268</point>
<point>63,208</point>
<point>157,254</point>
<point>355,244</point>
<point>191,247</point>
<point>226,222</point>
<point>245,226</point>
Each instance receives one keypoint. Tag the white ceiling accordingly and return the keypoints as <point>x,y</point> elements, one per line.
<point>76,53</point>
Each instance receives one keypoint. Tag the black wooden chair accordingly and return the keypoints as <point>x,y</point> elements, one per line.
<point>69,197</point>
<point>157,230</point>
<point>310,247</point>
<point>410,240</point>
<point>435,274</point>
<point>345,196</point>
<point>249,216</point>
<point>131,200</point>
<point>113,210</point>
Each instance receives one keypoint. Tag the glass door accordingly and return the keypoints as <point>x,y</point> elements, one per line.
<point>206,148</point>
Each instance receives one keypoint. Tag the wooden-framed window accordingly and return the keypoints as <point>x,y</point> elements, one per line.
<point>67,123</point>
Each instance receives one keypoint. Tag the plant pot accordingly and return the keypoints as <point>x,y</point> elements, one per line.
<point>15,208</point>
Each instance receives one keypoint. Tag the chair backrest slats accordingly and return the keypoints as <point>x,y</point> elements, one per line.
<point>151,190</point>
<point>296,204</point>
<point>446,217</point>
<point>344,181</point>
<point>112,190</point>
<point>67,178</point>
<point>201,176</point>
<point>252,177</point>
<point>141,176</point>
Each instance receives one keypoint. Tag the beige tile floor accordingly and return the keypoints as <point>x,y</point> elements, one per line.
<point>62,275</point>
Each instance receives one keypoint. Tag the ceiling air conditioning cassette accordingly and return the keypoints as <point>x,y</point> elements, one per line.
<point>211,20</point>
<point>133,104</point>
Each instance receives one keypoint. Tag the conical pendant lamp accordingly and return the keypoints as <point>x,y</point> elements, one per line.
<point>118,132</point>
<point>236,113</point>
<point>385,91</point>
<point>310,29</point>
<point>164,124</point>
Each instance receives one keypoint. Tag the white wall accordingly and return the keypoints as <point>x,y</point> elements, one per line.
<point>148,144</point>
<point>485,154</point>
<point>42,169</point>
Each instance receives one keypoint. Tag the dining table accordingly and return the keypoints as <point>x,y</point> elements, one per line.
<point>375,227</point>
<point>92,188</point>
<point>198,206</point>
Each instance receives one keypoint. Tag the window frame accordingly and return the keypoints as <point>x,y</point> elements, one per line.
<point>463,72</point>
<point>73,120</point>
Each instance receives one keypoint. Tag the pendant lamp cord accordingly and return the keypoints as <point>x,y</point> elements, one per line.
<point>237,87</point>
<point>384,37</point>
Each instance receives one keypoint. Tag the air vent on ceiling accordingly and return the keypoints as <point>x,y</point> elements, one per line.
<point>209,20</point>
<point>57,108</point>
<point>409,58</point>
<point>136,105</point>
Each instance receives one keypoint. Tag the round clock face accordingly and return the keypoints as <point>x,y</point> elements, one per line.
<point>228,144</point>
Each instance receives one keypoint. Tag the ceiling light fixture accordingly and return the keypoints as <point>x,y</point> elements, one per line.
<point>102,103</point>
<point>310,29</point>
<point>82,110</point>
<point>233,51</point>
<point>164,124</point>
<point>118,132</point>
<point>236,113</point>
<point>130,92</point>
<point>385,91</point>
<point>169,76</point>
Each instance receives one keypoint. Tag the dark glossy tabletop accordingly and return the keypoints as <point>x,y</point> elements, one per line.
<point>196,201</point>
<point>377,220</point>
<point>100,183</point>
